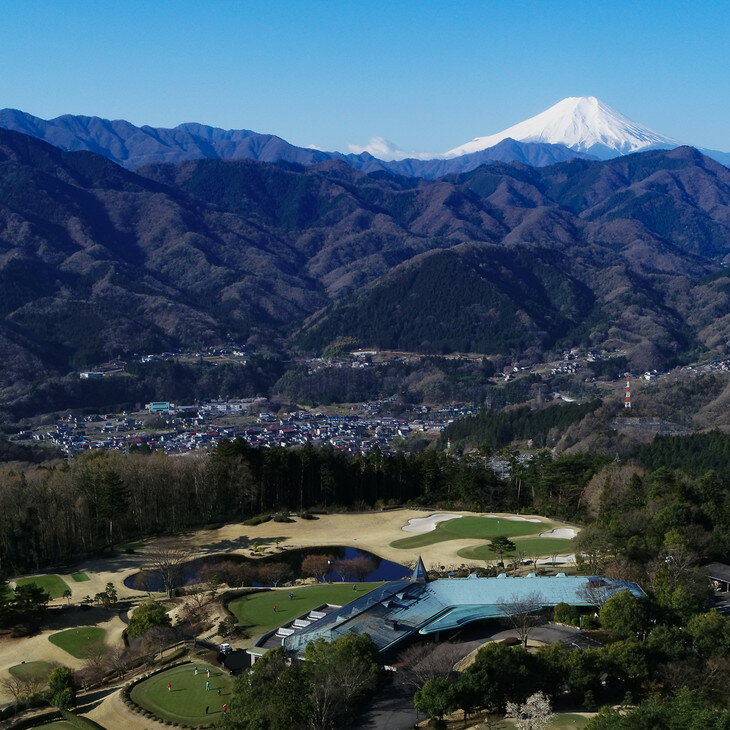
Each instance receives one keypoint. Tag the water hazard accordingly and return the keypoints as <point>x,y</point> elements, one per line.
<point>345,563</point>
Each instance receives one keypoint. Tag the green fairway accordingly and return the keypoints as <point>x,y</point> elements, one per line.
<point>187,702</point>
<point>79,642</point>
<point>54,585</point>
<point>527,546</point>
<point>32,670</point>
<point>256,611</point>
<point>58,725</point>
<point>477,527</point>
<point>79,577</point>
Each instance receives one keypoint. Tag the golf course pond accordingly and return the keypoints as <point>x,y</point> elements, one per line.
<point>340,557</point>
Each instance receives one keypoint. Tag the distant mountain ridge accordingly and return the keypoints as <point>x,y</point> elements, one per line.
<point>132,146</point>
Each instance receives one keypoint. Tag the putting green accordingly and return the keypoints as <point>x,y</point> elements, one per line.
<point>54,585</point>
<point>32,670</point>
<point>79,642</point>
<point>256,613</point>
<point>527,546</point>
<point>187,701</point>
<point>79,577</point>
<point>476,527</point>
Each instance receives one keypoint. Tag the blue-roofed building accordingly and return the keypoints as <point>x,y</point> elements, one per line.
<point>399,609</point>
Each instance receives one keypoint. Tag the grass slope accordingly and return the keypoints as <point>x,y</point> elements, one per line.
<point>187,702</point>
<point>256,611</point>
<point>54,585</point>
<point>527,546</point>
<point>476,527</point>
<point>79,642</point>
<point>79,577</point>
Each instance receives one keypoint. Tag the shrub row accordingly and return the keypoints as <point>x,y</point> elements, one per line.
<point>257,520</point>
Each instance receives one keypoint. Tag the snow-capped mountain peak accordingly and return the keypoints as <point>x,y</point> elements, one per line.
<point>582,123</point>
<point>383,149</point>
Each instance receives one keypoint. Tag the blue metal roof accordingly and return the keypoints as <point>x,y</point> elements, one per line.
<point>397,609</point>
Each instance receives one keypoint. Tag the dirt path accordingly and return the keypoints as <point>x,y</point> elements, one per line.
<point>112,714</point>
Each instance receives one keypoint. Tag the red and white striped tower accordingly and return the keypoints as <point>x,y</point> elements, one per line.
<point>627,396</point>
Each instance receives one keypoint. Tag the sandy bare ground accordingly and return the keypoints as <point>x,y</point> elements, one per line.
<point>428,524</point>
<point>39,648</point>
<point>112,714</point>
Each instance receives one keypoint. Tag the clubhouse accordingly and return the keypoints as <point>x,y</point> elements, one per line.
<point>399,609</point>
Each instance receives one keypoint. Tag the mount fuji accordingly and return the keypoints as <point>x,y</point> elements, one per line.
<point>584,124</point>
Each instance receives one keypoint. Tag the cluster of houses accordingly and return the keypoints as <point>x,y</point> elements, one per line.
<point>182,429</point>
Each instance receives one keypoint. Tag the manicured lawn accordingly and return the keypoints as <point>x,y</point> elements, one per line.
<point>54,585</point>
<point>58,725</point>
<point>256,611</point>
<point>79,577</point>
<point>32,670</point>
<point>528,546</point>
<point>187,702</point>
<point>79,642</point>
<point>477,527</point>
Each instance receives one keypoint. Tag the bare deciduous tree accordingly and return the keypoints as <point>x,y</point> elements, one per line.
<point>421,662</point>
<point>523,613</point>
<point>317,566</point>
<point>274,573</point>
<point>167,558</point>
<point>21,688</point>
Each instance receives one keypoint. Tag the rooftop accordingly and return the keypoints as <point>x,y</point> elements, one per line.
<point>399,608</point>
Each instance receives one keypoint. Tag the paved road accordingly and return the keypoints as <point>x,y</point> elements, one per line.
<point>391,709</point>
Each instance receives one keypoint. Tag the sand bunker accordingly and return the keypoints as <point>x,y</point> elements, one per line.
<point>427,524</point>
<point>564,533</point>
<point>515,518</point>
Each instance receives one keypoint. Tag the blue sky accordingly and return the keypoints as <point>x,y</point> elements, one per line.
<point>426,75</point>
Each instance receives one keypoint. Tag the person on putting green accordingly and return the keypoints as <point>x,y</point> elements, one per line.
<point>207,686</point>
<point>291,596</point>
<point>196,671</point>
<point>169,687</point>
<point>207,673</point>
<point>274,608</point>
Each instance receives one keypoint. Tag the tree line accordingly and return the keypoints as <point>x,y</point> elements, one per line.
<point>50,514</point>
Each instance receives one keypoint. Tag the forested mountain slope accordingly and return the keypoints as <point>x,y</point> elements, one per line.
<point>97,261</point>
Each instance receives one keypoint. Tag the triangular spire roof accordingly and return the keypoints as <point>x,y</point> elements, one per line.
<point>419,572</point>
